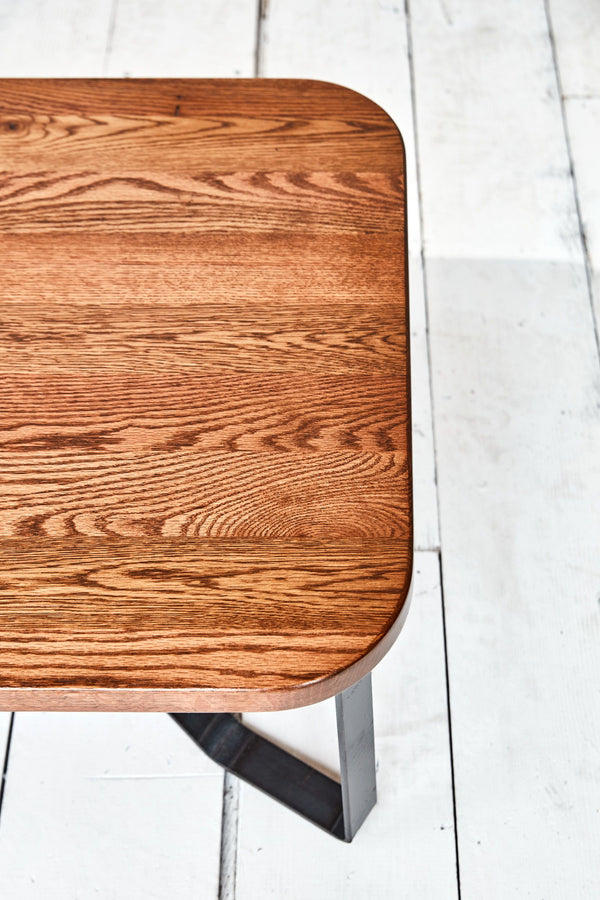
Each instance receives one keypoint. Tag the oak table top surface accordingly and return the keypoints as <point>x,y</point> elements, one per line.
<point>205,470</point>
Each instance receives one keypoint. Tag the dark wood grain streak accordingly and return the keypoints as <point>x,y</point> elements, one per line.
<point>205,471</point>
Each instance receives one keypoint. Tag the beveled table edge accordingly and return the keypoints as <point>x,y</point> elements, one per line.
<point>163,700</point>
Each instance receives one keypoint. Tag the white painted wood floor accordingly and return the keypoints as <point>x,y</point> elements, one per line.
<point>488,708</point>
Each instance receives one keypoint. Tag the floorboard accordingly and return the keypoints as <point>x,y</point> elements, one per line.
<point>108,805</point>
<point>175,38</point>
<point>576,26</point>
<point>66,38</point>
<point>515,379</point>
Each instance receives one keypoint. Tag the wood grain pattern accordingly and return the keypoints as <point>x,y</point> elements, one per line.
<point>199,269</point>
<point>203,340</point>
<point>209,494</point>
<point>131,413</point>
<point>205,478</point>
<point>225,141</point>
<point>243,126</point>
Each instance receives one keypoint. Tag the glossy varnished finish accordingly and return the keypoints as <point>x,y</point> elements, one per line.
<point>204,403</point>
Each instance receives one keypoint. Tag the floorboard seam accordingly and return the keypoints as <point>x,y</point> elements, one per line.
<point>6,758</point>
<point>438,550</point>
<point>413,97</point>
<point>563,112</point>
<point>449,718</point>
<point>261,15</point>
<point>112,22</point>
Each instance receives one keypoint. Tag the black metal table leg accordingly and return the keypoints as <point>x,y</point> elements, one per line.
<point>354,711</point>
<point>338,808</point>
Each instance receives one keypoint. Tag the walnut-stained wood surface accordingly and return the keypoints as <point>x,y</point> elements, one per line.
<point>204,401</point>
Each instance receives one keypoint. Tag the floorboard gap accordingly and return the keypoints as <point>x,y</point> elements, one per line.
<point>449,716</point>
<point>112,22</point>
<point>563,112</point>
<point>6,757</point>
<point>413,97</point>
<point>261,14</point>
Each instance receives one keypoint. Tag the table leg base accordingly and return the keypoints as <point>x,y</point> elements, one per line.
<point>340,809</point>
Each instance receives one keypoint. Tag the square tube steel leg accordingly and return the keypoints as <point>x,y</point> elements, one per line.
<point>338,808</point>
<point>356,740</point>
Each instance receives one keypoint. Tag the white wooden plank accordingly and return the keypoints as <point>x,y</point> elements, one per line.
<point>63,38</point>
<point>175,38</point>
<point>575,31</point>
<point>407,843</point>
<point>518,435</point>
<point>576,26</point>
<point>363,46</point>
<point>493,155</point>
<point>108,805</point>
<point>515,377</point>
<point>583,118</point>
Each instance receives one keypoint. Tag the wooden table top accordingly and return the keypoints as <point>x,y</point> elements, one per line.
<point>205,468</point>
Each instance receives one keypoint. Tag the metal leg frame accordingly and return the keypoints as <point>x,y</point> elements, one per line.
<point>338,808</point>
